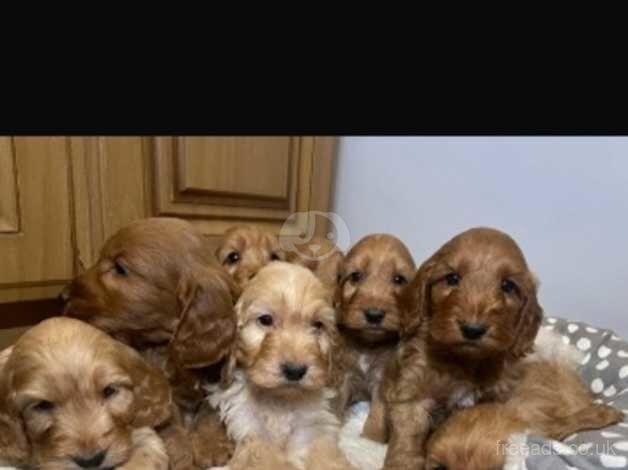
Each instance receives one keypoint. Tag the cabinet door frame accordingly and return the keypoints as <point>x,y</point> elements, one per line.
<point>37,234</point>
<point>312,165</point>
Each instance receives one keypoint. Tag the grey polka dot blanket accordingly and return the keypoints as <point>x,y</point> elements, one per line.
<point>604,369</point>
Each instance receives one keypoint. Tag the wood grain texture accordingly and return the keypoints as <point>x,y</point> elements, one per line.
<point>9,215</point>
<point>251,166</point>
<point>219,207</point>
<point>111,188</point>
<point>40,254</point>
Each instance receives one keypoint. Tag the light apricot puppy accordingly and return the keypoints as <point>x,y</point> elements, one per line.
<point>72,397</point>
<point>282,365</point>
<point>245,250</point>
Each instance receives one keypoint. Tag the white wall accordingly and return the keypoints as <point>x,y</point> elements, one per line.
<point>564,199</point>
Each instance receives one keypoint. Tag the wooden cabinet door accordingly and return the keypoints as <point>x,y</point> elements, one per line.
<point>217,182</point>
<point>36,237</point>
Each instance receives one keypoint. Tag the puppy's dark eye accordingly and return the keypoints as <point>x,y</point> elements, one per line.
<point>318,325</point>
<point>355,276</point>
<point>232,258</point>
<point>452,279</point>
<point>509,287</point>
<point>265,320</point>
<point>439,466</point>
<point>399,280</point>
<point>44,406</point>
<point>109,391</point>
<point>120,269</point>
<point>274,257</point>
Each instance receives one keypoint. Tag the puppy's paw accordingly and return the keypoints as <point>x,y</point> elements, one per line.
<point>218,453</point>
<point>149,452</point>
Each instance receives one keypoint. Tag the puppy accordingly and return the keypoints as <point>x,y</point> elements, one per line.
<point>469,316</point>
<point>244,250</point>
<point>550,401</point>
<point>319,255</point>
<point>281,365</point>
<point>372,276</point>
<point>72,397</point>
<point>157,287</point>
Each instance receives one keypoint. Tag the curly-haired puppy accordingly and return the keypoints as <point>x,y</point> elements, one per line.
<point>245,250</point>
<point>319,255</point>
<point>157,287</point>
<point>372,276</point>
<point>282,363</point>
<point>470,315</point>
<point>72,397</point>
<point>550,401</point>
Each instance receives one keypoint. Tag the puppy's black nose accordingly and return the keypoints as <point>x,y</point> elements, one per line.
<point>473,330</point>
<point>293,372</point>
<point>374,315</point>
<point>92,461</point>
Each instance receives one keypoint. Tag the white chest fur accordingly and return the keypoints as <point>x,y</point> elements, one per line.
<point>291,424</point>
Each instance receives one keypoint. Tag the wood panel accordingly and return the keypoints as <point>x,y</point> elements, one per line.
<point>257,167</point>
<point>9,217</point>
<point>39,253</point>
<point>111,184</point>
<point>240,190</point>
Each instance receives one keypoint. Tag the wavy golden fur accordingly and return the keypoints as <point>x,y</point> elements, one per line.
<point>71,397</point>
<point>469,316</point>
<point>157,287</point>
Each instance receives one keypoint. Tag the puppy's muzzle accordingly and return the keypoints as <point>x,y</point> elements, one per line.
<point>473,331</point>
<point>374,316</point>
<point>92,461</point>
<point>293,372</point>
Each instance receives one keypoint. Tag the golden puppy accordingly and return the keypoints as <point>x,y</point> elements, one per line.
<point>372,276</point>
<point>470,315</point>
<point>281,365</point>
<point>245,250</point>
<point>549,401</point>
<point>71,397</point>
<point>157,287</point>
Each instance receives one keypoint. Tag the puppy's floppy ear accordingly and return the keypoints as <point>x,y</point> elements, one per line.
<point>329,268</point>
<point>151,390</point>
<point>14,447</point>
<point>414,300</point>
<point>530,318</point>
<point>206,328</point>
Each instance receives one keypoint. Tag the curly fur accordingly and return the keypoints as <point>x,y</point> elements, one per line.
<point>479,279</point>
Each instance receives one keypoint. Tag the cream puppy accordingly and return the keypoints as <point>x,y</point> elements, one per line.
<point>281,366</point>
